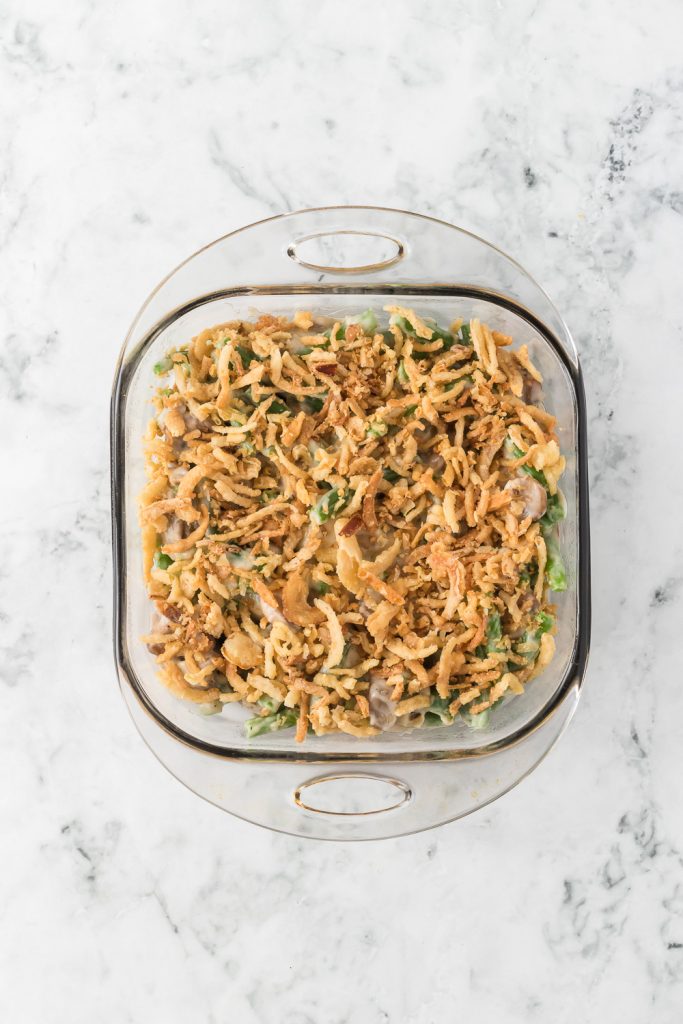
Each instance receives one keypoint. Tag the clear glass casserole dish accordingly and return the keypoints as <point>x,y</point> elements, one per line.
<point>339,261</point>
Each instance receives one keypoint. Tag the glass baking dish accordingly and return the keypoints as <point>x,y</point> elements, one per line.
<point>339,261</point>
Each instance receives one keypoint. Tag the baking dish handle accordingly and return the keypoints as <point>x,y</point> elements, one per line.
<point>352,249</point>
<point>344,248</point>
<point>352,799</point>
<point>348,246</point>
<point>362,244</point>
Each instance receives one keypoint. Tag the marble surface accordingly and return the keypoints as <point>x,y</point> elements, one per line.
<point>132,134</point>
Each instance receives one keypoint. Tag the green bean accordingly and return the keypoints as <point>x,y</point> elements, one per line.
<point>270,723</point>
<point>245,396</point>
<point>367,320</point>
<point>517,453</point>
<point>162,560</point>
<point>163,366</point>
<point>400,321</point>
<point>275,408</point>
<point>494,633</point>
<point>242,559</point>
<point>555,571</point>
<point>493,626</point>
<point>270,703</point>
<point>466,379</point>
<point>330,505</point>
<point>214,708</point>
<point>345,652</point>
<point>312,403</point>
<point>479,721</point>
<point>545,622</point>
<point>531,638</point>
<point>339,335</point>
<point>247,356</point>
<point>555,511</point>
<point>438,334</point>
<point>437,713</point>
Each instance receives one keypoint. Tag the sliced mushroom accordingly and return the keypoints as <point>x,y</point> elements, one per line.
<point>435,462</point>
<point>177,474</point>
<point>353,657</point>
<point>425,433</point>
<point>174,532</point>
<point>528,604</point>
<point>531,390</point>
<point>169,611</point>
<point>382,707</point>
<point>160,624</point>
<point>533,494</point>
<point>192,423</point>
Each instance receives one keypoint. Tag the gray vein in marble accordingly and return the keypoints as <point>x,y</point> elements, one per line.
<point>238,178</point>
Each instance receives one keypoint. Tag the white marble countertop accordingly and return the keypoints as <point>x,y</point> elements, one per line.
<point>132,134</point>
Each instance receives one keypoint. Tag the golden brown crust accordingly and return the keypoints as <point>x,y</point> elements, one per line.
<point>328,510</point>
